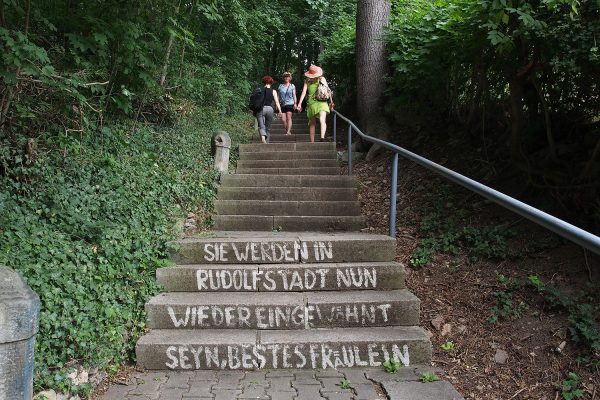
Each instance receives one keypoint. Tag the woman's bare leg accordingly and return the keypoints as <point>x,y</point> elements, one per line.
<point>284,120</point>
<point>323,120</point>
<point>311,129</point>
<point>289,123</point>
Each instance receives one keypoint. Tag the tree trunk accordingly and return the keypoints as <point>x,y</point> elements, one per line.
<point>163,76</point>
<point>2,23</point>
<point>371,65</point>
<point>516,116</point>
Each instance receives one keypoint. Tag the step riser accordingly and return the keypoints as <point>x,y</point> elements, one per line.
<point>292,208</point>
<point>275,354</point>
<point>289,223</point>
<point>296,132</point>
<point>287,194</point>
<point>284,139</point>
<point>277,147</point>
<point>282,316</point>
<point>275,181</point>
<point>291,171</point>
<point>286,163</point>
<point>290,155</point>
<point>310,249</point>
<point>279,278</point>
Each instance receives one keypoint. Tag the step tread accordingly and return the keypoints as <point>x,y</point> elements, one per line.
<point>289,155</point>
<point>290,171</point>
<point>291,223</point>
<point>290,298</point>
<point>290,202</point>
<point>239,336</point>
<point>367,334</point>
<point>305,181</point>
<point>286,147</point>
<point>294,208</point>
<point>286,193</point>
<point>259,236</point>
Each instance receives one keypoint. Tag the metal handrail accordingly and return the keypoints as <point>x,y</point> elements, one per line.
<point>556,225</point>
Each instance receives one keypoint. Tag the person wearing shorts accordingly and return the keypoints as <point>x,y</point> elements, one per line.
<point>287,96</point>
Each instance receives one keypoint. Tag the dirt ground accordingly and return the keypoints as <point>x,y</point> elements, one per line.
<point>525,356</point>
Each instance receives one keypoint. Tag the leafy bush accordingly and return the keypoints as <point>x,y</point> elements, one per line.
<point>87,225</point>
<point>447,232</point>
<point>582,310</point>
<point>570,387</point>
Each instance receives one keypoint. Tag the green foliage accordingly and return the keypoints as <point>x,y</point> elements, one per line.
<point>429,377</point>
<point>346,384</point>
<point>391,366</point>
<point>570,387</point>
<point>581,310</point>
<point>506,306</point>
<point>447,232</point>
<point>448,346</point>
<point>88,227</point>
<point>509,79</point>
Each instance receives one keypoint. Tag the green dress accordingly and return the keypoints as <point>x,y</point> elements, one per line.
<point>314,107</point>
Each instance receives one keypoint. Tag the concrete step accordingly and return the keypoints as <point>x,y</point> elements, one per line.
<point>278,207</point>
<point>290,171</point>
<point>287,163</point>
<point>286,193</point>
<point>286,147</point>
<point>277,181</point>
<point>176,349</point>
<point>289,223</point>
<point>279,277</point>
<point>262,310</point>
<point>296,130</point>
<point>284,139</point>
<point>247,247</point>
<point>289,155</point>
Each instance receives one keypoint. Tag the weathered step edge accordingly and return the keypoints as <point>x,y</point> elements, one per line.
<point>290,171</point>
<point>290,223</point>
<point>304,181</point>
<point>287,208</point>
<point>293,310</point>
<point>277,277</point>
<point>300,349</point>
<point>287,147</point>
<point>289,155</point>
<point>286,193</point>
<point>286,163</point>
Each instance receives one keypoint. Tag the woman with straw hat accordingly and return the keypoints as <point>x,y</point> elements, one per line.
<point>314,107</point>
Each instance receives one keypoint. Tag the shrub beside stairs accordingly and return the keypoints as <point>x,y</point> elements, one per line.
<point>286,280</point>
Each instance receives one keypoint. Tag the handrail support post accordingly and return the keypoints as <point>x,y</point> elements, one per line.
<point>393,195</point>
<point>334,127</point>
<point>350,150</point>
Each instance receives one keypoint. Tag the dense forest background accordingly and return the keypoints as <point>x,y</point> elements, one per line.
<point>511,88</point>
<point>107,109</point>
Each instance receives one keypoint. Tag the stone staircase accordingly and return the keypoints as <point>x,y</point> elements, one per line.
<point>299,130</point>
<point>285,280</point>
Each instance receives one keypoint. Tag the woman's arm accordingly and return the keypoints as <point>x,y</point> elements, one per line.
<point>276,98</point>
<point>302,97</point>
<point>294,97</point>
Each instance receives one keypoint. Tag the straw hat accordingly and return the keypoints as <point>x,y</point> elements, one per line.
<point>314,72</point>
